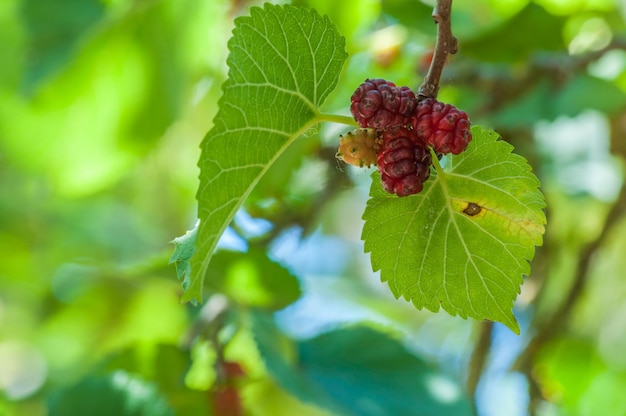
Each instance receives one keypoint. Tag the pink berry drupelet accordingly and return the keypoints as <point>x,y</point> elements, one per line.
<point>403,161</point>
<point>380,104</point>
<point>442,126</point>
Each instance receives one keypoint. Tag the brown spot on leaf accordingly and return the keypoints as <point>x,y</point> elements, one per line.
<point>472,209</point>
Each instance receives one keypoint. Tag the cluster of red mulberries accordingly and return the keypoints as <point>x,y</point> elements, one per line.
<point>397,130</point>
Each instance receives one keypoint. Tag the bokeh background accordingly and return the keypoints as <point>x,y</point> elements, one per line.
<point>103,105</point>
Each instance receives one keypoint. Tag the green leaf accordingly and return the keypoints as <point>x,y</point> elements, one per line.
<point>413,14</point>
<point>53,31</point>
<point>586,92</point>
<point>569,365</point>
<point>116,394</point>
<point>163,366</point>
<point>545,101</point>
<point>510,42</point>
<point>185,245</point>
<point>284,61</point>
<point>357,371</point>
<point>436,252</point>
<point>252,279</point>
<point>535,104</point>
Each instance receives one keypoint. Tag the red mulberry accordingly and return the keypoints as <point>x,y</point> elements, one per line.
<point>380,104</point>
<point>404,163</point>
<point>442,126</point>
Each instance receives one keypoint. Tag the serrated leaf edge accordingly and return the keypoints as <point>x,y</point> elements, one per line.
<point>441,174</point>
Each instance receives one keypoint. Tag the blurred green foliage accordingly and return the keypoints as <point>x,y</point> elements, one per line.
<point>358,371</point>
<point>103,105</point>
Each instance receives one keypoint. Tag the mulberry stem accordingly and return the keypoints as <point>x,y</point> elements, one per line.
<point>436,164</point>
<point>446,44</point>
<point>336,118</point>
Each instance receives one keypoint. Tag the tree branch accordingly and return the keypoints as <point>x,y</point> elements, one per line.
<point>479,357</point>
<point>446,44</point>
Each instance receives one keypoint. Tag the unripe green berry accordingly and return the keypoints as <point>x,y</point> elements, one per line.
<point>359,147</point>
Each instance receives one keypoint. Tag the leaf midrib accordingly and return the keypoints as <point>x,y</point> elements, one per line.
<point>239,200</point>
<point>441,178</point>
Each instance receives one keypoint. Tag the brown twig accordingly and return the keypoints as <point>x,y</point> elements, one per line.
<point>479,357</point>
<point>446,44</point>
<point>209,322</point>
<point>535,396</point>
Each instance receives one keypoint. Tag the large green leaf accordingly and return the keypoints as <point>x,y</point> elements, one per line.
<point>284,61</point>
<point>510,42</point>
<point>464,242</point>
<point>357,371</point>
<point>116,394</point>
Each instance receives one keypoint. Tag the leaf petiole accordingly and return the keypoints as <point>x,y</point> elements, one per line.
<point>336,118</point>
<point>436,164</point>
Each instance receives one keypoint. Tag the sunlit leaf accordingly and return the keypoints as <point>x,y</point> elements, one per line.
<point>566,368</point>
<point>463,243</point>
<point>284,61</point>
<point>252,279</point>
